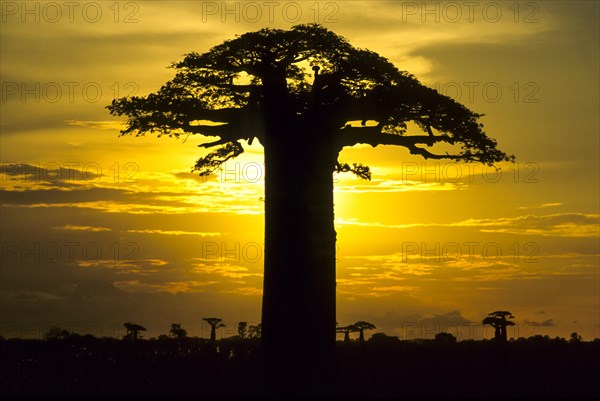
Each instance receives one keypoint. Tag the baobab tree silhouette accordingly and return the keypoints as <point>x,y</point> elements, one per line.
<point>361,326</point>
<point>499,321</point>
<point>300,92</point>
<point>346,330</point>
<point>133,330</point>
<point>215,323</point>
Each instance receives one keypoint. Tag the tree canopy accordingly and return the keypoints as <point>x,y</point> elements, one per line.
<point>319,80</point>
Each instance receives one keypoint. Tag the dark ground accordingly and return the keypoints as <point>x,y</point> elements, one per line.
<point>538,367</point>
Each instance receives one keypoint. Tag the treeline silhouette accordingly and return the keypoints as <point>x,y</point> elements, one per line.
<point>67,364</point>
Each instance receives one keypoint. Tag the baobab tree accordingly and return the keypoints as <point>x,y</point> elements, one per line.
<point>133,331</point>
<point>304,94</point>
<point>215,323</point>
<point>361,326</point>
<point>499,321</point>
<point>346,330</point>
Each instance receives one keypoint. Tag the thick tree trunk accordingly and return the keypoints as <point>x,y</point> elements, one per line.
<point>503,336</point>
<point>497,333</point>
<point>298,316</point>
<point>213,334</point>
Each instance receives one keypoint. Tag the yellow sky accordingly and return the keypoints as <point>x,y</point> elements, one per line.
<point>98,230</point>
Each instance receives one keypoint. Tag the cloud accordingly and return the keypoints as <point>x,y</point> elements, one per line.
<point>425,325</point>
<point>50,174</point>
<point>545,323</point>
<point>551,225</point>
<point>142,267</point>
<point>369,275</point>
<point>559,225</point>
<point>94,289</point>
<point>148,193</point>
<point>176,232</point>
<point>173,287</point>
<point>224,270</point>
<point>395,186</point>
<point>83,228</point>
<point>29,296</point>
<point>541,206</point>
<point>394,288</point>
<point>110,125</point>
<point>252,291</point>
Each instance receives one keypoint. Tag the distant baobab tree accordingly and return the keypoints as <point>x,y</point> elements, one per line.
<point>215,323</point>
<point>305,94</point>
<point>346,330</point>
<point>499,321</point>
<point>361,326</point>
<point>133,330</point>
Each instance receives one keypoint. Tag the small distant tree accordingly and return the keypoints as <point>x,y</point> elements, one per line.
<point>242,329</point>
<point>55,333</point>
<point>445,338</point>
<point>383,339</point>
<point>215,323</point>
<point>346,330</point>
<point>361,326</point>
<point>133,331</point>
<point>177,331</point>
<point>499,321</point>
<point>575,338</point>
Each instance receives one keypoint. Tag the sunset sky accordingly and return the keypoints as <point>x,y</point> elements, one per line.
<point>98,230</point>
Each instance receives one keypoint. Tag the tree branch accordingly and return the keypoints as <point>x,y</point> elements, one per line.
<point>350,136</point>
<point>215,143</point>
<point>224,115</point>
<point>208,164</point>
<point>225,130</point>
<point>415,150</point>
